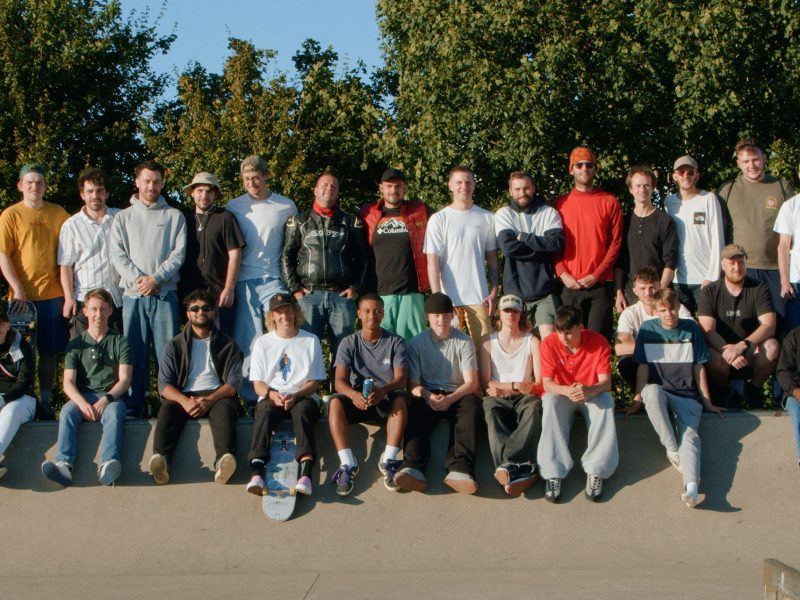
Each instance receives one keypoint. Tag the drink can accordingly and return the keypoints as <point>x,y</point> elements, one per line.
<point>369,384</point>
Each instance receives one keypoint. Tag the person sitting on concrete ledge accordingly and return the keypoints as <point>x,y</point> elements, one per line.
<point>98,368</point>
<point>510,374</point>
<point>576,373</point>
<point>671,353</point>
<point>788,375</point>
<point>199,376</point>
<point>739,321</point>
<point>17,368</point>
<point>645,287</point>
<point>286,371</point>
<point>443,378</point>
<point>371,375</point>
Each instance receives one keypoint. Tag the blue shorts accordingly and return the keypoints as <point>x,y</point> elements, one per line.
<point>51,326</point>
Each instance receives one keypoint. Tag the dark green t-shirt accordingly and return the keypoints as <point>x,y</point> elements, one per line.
<point>96,363</point>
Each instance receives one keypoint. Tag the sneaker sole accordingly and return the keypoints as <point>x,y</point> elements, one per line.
<point>690,501</point>
<point>256,490</point>
<point>519,487</point>
<point>158,469</point>
<point>111,473</point>
<point>462,486</point>
<point>553,499</point>
<point>502,476</point>
<point>304,490</point>
<point>51,472</point>
<point>342,492</point>
<point>408,482</point>
<point>225,469</point>
<point>592,497</point>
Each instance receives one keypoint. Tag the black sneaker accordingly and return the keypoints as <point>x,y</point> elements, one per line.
<point>552,490</point>
<point>343,478</point>
<point>594,487</point>
<point>506,473</point>
<point>523,480</point>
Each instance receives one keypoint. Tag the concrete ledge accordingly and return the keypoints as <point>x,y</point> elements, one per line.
<point>196,539</point>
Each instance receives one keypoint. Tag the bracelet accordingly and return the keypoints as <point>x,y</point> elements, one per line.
<point>514,387</point>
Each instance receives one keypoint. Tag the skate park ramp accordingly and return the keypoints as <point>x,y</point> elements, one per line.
<point>197,539</point>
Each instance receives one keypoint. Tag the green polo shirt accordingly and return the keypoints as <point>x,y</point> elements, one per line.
<point>96,363</point>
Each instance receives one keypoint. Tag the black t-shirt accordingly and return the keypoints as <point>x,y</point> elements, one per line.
<point>737,316</point>
<point>394,259</point>
<point>209,237</point>
<point>651,241</point>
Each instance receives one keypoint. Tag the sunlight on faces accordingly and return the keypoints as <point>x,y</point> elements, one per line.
<point>641,188</point>
<point>326,191</point>
<point>94,195</point>
<point>32,186</point>
<point>668,315</point>
<point>571,338</point>
<point>200,318</point>
<point>522,191</point>
<point>751,163</point>
<point>509,317</point>
<point>284,317</point>
<point>204,196</point>
<point>734,268</point>
<point>645,290</point>
<point>393,191</point>
<point>370,313</point>
<point>149,184</point>
<point>97,311</point>
<point>462,185</point>
<point>440,323</point>
<point>255,183</point>
<point>686,177</point>
<point>583,172</point>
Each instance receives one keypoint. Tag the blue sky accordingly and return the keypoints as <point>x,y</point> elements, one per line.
<point>204,26</point>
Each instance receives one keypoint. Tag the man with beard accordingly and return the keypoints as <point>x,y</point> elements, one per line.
<point>530,234</point>
<point>199,375</point>
<point>738,319</point>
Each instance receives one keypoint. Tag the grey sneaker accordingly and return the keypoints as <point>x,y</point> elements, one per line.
<point>60,472</point>
<point>109,471</point>
<point>226,467</point>
<point>463,483</point>
<point>159,469</point>
<point>552,490</point>
<point>594,487</point>
<point>411,479</point>
<point>388,469</point>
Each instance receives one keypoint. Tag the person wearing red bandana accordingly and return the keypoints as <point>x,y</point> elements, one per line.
<point>324,263</point>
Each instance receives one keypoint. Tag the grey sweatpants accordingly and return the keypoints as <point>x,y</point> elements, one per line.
<point>687,413</point>
<point>601,457</point>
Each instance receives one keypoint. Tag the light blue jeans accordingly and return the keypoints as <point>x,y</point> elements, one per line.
<point>793,406</point>
<point>324,307</point>
<point>113,419</point>
<point>252,302</point>
<point>12,415</point>
<point>146,320</point>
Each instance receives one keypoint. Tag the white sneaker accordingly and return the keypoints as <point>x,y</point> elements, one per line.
<point>226,466</point>
<point>689,495</point>
<point>109,471</point>
<point>159,469</point>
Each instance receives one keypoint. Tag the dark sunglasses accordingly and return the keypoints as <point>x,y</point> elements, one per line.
<point>198,307</point>
<point>585,164</point>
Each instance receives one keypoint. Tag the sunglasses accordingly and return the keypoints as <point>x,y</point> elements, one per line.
<point>200,307</point>
<point>585,164</point>
<point>689,171</point>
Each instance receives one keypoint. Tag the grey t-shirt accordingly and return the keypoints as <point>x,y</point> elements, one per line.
<point>440,365</point>
<point>376,361</point>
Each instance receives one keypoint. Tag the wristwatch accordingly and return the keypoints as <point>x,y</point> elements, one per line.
<point>108,397</point>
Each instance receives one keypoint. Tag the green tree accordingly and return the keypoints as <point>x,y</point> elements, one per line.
<point>76,82</point>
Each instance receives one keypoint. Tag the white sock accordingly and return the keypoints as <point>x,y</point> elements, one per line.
<point>390,453</point>
<point>691,488</point>
<point>347,458</point>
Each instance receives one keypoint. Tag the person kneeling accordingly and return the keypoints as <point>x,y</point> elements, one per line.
<point>286,370</point>
<point>200,375</point>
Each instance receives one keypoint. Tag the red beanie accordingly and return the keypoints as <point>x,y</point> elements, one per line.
<point>579,154</point>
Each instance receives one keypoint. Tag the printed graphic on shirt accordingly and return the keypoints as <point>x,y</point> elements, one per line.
<point>286,366</point>
<point>771,202</point>
<point>392,226</point>
<point>699,218</point>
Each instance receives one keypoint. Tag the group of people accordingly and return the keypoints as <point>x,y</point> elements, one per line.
<point>107,285</point>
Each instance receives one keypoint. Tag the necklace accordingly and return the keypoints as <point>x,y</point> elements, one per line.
<point>201,223</point>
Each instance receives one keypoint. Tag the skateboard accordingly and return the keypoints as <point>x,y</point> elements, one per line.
<point>24,321</point>
<point>280,495</point>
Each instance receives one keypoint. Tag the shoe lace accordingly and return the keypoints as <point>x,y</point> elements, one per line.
<point>391,466</point>
<point>341,476</point>
<point>554,486</point>
<point>594,483</point>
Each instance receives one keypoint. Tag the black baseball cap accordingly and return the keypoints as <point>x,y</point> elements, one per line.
<point>281,299</point>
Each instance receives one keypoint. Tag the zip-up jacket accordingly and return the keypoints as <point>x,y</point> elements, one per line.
<point>415,214</point>
<point>325,253</point>
<point>16,371</point>
<point>177,359</point>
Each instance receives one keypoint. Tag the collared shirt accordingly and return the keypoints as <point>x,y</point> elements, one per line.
<point>83,245</point>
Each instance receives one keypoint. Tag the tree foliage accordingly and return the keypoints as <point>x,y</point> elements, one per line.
<point>76,81</point>
<point>515,84</point>
<point>326,123</point>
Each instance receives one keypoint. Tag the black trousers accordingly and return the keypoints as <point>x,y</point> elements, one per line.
<point>464,418</point>
<point>596,304</point>
<point>172,419</point>
<point>304,415</point>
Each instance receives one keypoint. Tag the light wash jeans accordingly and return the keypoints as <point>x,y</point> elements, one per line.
<point>12,415</point>
<point>146,320</point>
<point>113,419</point>
<point>252,302</point>
<point>793,406</point>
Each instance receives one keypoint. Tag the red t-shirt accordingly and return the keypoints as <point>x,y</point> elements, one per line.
<point>592,233</point>
<point>593,358</point>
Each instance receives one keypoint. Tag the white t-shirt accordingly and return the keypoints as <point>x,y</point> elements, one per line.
<point>261,222</point>
<point>788,222</point>
<point>461,238</point>
<point>632,318</point>
<point>202,374</point>
<point>700,236</point>
<point>285,364</point>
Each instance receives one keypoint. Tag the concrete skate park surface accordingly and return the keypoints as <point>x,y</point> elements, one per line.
<point>196,539</point>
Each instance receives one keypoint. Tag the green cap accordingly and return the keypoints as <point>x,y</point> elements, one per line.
<point>32,168</point>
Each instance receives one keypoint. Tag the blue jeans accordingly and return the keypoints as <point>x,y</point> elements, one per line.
<point>793,309</point>
<point>113,419</point>
<point>322,307</point>
<point>252,300</point>
<point>793,406</point>
<point>146,320</point>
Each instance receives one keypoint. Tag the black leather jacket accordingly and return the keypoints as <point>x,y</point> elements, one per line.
<point>324,253</point>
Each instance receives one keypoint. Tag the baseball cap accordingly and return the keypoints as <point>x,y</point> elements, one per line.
<point>733,250</point>
<point>685,161</point>
<point>32,168</point>
<point>281,299</point>
<point>253,163</point>
<point>392,173</point>
<point>510,301</point>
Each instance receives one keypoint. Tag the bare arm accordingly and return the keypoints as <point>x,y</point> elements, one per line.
<point>625,344</point>
<point>493,264</point>
<point>66,273</point>
<point>228,293</point>
<point>10,273</point>
<point>784,245</point>
<point>434,273</point>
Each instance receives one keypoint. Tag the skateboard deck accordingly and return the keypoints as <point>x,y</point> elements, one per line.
<point>280,496</point>
<point>24,321</point>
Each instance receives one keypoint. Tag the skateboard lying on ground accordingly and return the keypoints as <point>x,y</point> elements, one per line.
<point>281,482</point>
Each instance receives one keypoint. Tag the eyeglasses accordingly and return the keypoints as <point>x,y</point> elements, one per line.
<point>585,164</point>
<point>686,171</point>
<point>200,307</point>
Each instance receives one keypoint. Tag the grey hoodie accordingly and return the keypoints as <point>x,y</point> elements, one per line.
<point>148,240</point>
